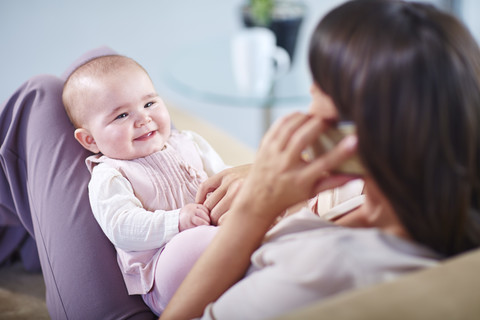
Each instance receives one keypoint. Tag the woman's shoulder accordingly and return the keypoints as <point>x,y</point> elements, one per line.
<point>308,228</point>
<point>362,254</point>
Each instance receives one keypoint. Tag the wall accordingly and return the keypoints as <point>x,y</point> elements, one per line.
<point>46,36</point>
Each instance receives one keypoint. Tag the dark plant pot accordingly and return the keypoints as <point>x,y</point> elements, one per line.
<point>285,24</point>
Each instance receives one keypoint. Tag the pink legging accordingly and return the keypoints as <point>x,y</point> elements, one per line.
<point>176,260</point>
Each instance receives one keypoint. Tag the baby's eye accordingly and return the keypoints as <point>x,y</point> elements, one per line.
<point>149,104</point>
<point>120,116</point>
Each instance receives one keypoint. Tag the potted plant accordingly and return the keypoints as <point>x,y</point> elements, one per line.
<point>283,17</point>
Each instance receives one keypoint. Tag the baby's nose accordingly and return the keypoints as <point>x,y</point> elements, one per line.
<point>143,119</point>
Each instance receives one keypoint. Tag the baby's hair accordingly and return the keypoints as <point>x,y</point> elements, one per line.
<point>97,67</point>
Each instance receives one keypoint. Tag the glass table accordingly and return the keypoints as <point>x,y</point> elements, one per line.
<point>204,71</point>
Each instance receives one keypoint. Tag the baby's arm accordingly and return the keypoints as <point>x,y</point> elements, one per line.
<point>193,215</point>
<point>122,217</point>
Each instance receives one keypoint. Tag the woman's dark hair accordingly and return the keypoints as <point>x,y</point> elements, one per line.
<point>408,75</point>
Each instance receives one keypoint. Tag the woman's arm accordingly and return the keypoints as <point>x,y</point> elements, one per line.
<point>278,179</point>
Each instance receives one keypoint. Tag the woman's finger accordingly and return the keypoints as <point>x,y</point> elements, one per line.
<point>305,135</point>
<point>206,188</point>
<point>281,132</point>
<point>214,197</point>
<point>328,162</point>
<point>225,203</point>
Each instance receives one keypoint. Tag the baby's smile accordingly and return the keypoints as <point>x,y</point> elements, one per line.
<point>147,136</point>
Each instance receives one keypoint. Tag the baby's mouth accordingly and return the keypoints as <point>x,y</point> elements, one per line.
<point>146,136</point>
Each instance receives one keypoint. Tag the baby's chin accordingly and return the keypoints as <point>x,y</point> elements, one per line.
<point>155,149</point>
<point>139,154</point>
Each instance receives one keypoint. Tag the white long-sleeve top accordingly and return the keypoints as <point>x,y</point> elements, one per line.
<point>123,217</point>
<point>137,202</point>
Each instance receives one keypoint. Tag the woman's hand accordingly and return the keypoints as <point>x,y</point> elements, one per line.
<point>280,177</point>
<point>218,191</point>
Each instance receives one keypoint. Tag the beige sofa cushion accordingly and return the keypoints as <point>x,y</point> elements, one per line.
<point>232,151</point>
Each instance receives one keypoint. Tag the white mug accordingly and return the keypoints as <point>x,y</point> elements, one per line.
<point>257,61</point>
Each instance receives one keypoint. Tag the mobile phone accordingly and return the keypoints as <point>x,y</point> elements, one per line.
<point>327,141</point>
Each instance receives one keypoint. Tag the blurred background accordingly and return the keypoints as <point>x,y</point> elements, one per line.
<point>174,40</point>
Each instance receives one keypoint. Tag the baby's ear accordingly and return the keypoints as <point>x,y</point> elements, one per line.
<point>86,140</point>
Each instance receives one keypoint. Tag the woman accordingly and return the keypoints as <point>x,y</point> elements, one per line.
<point>408,76</point>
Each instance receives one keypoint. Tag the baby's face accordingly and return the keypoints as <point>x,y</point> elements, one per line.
<point>125,116</point>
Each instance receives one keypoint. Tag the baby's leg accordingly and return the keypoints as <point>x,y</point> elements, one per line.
<point>176,260</point>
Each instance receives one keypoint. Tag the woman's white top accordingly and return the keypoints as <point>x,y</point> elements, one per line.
<point>306,258</point>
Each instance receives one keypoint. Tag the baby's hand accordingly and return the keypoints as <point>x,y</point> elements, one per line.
<point>193,215</point>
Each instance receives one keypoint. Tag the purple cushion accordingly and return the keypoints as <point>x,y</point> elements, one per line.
<point>87,56</point>
<point>44,194</point>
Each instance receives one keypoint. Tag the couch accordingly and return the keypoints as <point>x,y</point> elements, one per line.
<point>448,291</point>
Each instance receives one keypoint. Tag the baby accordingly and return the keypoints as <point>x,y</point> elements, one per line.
<point>145,175</point>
